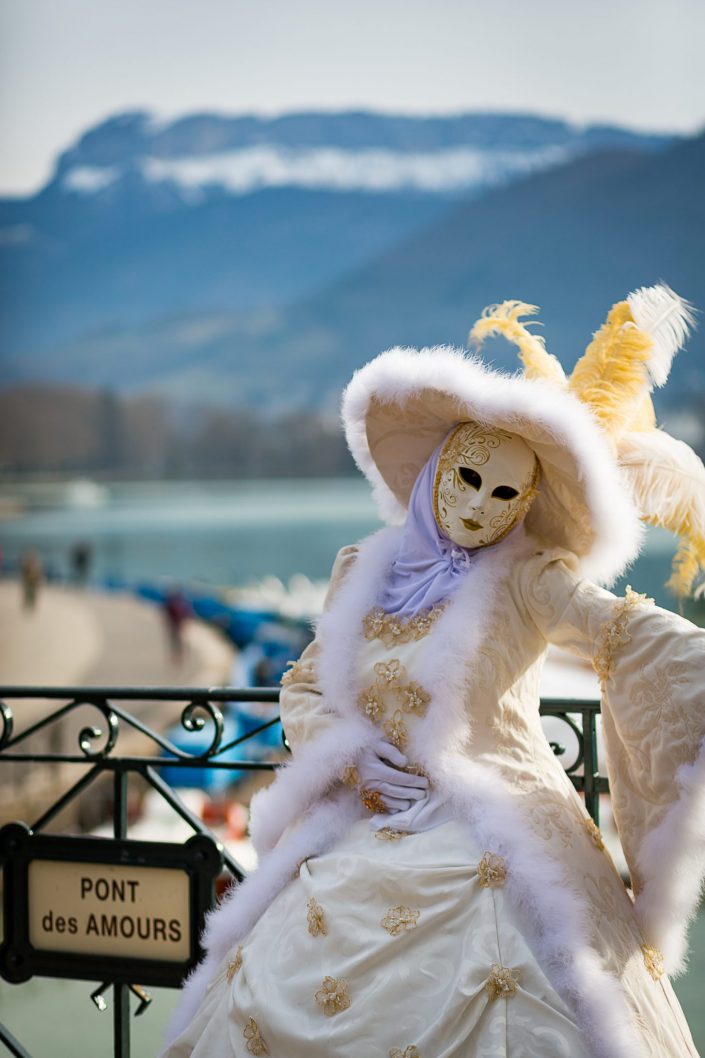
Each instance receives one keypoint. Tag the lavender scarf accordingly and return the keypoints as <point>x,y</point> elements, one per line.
<point>429,567</point>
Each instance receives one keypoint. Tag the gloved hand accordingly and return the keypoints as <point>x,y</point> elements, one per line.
<point>378,767</point>
<point>427,814</point>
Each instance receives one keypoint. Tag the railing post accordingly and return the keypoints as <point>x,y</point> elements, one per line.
<point>590,769</point>
<point>121,992</point>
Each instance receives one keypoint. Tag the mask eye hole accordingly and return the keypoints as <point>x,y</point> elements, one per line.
<point>470,476</point>
<point>505,492</point>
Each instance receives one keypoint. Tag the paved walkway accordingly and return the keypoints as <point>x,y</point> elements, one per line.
<point>91,638</point>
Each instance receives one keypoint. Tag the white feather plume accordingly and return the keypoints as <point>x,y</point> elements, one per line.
<point>668,482</point>
<point>667,318</point>
<point>668,476</point>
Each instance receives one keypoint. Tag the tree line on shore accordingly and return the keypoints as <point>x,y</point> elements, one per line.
<point>60,430</point>
<point>67,430</point>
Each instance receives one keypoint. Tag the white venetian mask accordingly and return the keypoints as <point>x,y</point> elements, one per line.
<point>485,483</point>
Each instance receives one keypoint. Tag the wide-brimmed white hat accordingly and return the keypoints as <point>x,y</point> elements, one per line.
<point>594,433</point>
<point>399,407</point>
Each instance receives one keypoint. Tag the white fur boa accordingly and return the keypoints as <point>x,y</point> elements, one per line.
<point>553,914</point>
<point>300,815</point>
<point>669,899</point>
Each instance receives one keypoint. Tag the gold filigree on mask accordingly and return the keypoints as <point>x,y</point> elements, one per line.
<point>505,522</point>
<point>471,445</point>
<point>468,445</point>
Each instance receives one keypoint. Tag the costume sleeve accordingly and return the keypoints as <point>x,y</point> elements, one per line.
<point>303,711</point>
<point>651,665</point>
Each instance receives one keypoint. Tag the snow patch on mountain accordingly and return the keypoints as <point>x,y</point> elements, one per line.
<point>239,172</point>
<point>88,179</point>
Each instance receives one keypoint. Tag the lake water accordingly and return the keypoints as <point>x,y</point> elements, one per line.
<point>219,532</point>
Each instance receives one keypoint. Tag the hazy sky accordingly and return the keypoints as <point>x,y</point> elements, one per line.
<point>66,64</point>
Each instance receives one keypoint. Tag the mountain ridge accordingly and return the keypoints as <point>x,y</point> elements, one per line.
<point>123,137</point>
<point>573,238</point>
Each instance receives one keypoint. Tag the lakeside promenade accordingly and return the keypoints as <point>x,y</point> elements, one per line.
<point>87,638</point>
<point>84,637</point>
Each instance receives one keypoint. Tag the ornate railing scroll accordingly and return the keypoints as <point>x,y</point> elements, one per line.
<point>100,746</point>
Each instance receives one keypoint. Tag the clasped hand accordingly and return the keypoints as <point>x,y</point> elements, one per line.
<point>379,767</point>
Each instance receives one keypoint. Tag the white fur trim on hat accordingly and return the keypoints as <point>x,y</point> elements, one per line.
<point>399,407</point>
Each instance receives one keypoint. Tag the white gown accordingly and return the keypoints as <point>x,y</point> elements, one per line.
<point>395,947</point>
<point>387,945</point>
<point>415,951</point>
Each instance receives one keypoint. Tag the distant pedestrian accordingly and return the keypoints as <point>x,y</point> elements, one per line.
<point>176,613</point>
<point>81,560</point>
<point>31,576</point>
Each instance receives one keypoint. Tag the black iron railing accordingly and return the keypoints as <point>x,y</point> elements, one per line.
<point>104,745</point>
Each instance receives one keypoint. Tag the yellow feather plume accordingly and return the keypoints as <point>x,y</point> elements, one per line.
<point>611,376</point>
<point>668,482</point>
<point>505,319</point>
<point>687,564</point>
<point>644,416</point>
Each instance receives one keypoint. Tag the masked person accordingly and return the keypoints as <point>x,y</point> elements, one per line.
<point>430,882</point>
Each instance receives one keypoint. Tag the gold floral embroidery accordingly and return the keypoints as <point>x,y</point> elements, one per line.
<point>234,964</point>
<point>389,673</point>
<point>333,996</point>
<point>594,832</point>
<point>316,919</point>
<point>409,1052</point>
<point>614,634</point>
<point>351,776</point>
<point>390,834</point>
<point>396,730</point>
<point>391,629</point>
<point>300,672</point>
<point>653,961</point>
<point>255,1043</point>
<point>372,800</point>
<point>371,704</point>
<point>502,982</point>
<point>414,699</point>
<point>399,919</point>
<point>491,871</point>
<point>375,622</point>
